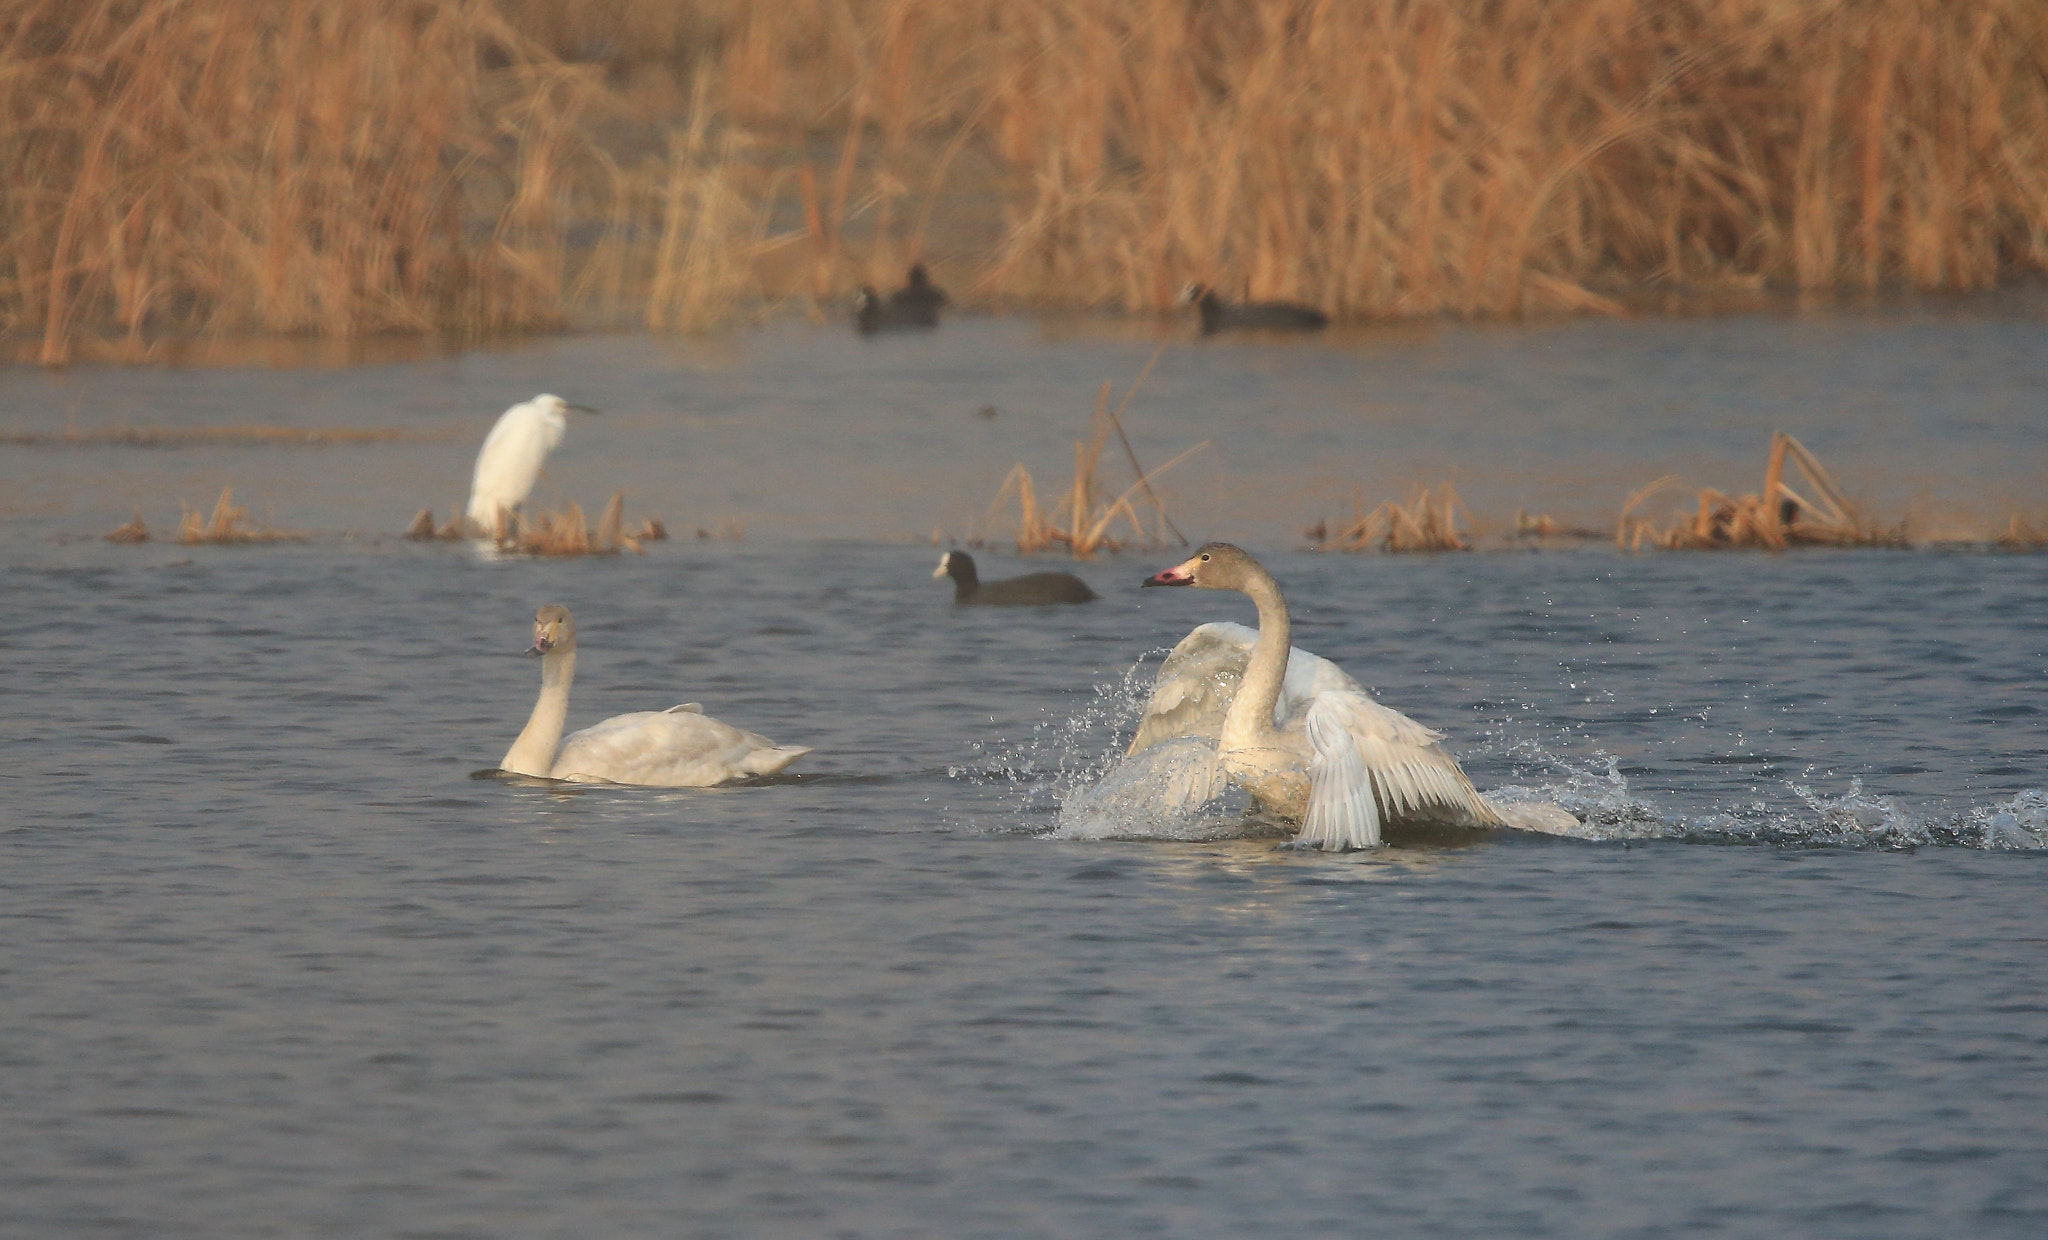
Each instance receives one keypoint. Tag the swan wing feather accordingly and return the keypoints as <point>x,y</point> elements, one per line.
<point>1412,777</point>
<point>1342,812</point>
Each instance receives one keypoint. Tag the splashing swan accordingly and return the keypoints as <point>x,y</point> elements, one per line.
<point>1298,734</point>
<point>681,747</point>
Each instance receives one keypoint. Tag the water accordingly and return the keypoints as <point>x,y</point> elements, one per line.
<point>276,963</point>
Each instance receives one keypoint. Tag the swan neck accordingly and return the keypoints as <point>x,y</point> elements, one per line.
<point>534,752</point>
<point>1251,712</point>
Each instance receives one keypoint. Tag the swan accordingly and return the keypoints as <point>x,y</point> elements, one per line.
<point>1297,733</point>
<point>509,462</point>
<point>1218,315</point>
<point>681,747</point>
<point>1031,588</point>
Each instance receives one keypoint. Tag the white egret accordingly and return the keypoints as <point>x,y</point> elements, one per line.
<point>1299,735</point>
<point>512,455</point>
<point>681,747</point>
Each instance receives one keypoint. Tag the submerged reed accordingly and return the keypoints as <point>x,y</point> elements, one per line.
<point>1426,523</point>
<point>229,523</point>
<point>1090,511</point>
<point>1778,518</point>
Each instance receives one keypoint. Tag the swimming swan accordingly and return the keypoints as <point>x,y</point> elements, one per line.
<point>1298,734</point>
<point>681,747</point>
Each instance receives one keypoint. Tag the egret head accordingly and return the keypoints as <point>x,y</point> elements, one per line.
<point>549,403</point>
<point>1213,566</point>
<point>554,630</point>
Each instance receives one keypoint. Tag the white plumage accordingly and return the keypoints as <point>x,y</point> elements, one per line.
<point>1297,733</point>
<point>681,747</point>
<point>510,461</point>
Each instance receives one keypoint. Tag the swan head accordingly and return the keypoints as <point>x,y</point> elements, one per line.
<point>1213,566</point>
<point>554,630</point>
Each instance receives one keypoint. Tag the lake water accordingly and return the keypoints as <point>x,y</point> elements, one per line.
<point>277,962</point>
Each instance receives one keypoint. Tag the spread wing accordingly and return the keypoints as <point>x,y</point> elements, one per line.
<point>1371,764</point>
<point>1201,676</point>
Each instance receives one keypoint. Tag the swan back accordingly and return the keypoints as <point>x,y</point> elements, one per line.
<point>680,747</point>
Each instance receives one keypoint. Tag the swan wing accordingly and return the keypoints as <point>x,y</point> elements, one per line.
<point>1409,775</point>
<point>1342,812</point>
<point>1201,675</point>
<point>669,749</point>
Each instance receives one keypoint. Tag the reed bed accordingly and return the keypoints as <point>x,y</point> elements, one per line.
<point>1817,514</point>
<point>350,167</point>
<point>1427,523</point>
<point>305,166</point>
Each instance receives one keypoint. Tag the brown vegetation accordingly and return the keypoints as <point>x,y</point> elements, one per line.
<point>1426,523</point>
<point>1088,508</point>
<point>553,533</point>
<point>229,523</point>
<point>343,167</point>
<point>1778,518</point>
<point>212,436</point>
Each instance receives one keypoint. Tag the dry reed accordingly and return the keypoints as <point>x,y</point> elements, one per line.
<point>1090,511</point>
<point>1427,523</point>
<point>1777,518</point>
<point>132,531</point>
<point>343,167</point>
<point>228,524</point>
<point>564,533</point>
<point>299,166</point>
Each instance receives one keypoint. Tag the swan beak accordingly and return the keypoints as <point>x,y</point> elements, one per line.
<point>542,643</point>
<point>1178,575</point>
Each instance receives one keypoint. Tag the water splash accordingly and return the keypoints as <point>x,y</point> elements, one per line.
<point>1072,771</point>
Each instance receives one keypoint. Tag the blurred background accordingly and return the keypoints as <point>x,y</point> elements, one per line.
<point>348,168</point>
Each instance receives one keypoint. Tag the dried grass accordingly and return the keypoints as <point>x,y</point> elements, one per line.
<point>348,167</point>
<point>1427,523</point>
<point>299,166</point>
<point>564,533</point>
<point>228,524</point>
<point>1778,518</point>
<point>2020,535</point>
<point>133,531</point>
<point>1090,511</point>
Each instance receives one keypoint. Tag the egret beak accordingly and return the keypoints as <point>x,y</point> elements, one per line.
<point>1178,575</point>
<point>581,409</point>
